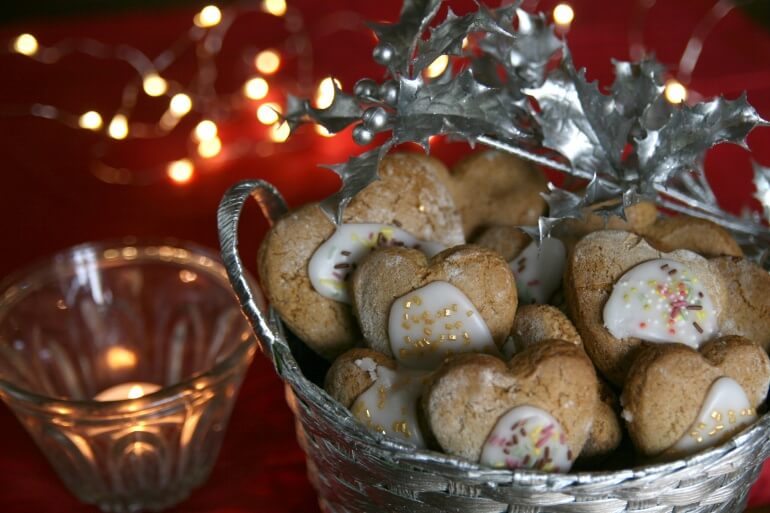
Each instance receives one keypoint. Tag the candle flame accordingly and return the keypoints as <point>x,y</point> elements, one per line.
<point>135,392</point>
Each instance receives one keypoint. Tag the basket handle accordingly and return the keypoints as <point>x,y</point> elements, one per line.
<point>273,206</point>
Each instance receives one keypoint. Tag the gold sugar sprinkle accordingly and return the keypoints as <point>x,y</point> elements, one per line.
<point>408,304</point>
<point>442,337</point>
<point>448,325</point>
<point>719,427</point>
<point>731,416</point>
<point>406,316</point>
<point>417,300</point>
<point>466,336</point>
<point>452,337</point>
<point>382,396</point>
<point>469,313</point>
<point>458,325</point>
<point>699,439</point>
<point>701,426</point>
<point>428,332</point>
<point>406,325</point>
<point>454,307</point>
<point>694,434</point>
<point>447,312</point>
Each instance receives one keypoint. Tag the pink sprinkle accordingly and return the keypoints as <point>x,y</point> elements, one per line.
<point>533,283</point>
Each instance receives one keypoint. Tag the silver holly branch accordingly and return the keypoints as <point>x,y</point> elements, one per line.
<point>513,86</point>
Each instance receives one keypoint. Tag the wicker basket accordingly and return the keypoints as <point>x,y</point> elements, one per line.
<point>355,470</point>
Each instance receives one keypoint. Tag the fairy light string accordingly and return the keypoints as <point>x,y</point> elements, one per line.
<point>261,91</point>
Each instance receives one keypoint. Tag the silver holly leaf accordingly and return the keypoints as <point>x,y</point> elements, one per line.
<point>296,112</point>
<point>638,93</point>
<point>580,122</point>
<point>762,183</point>
<point>447,38</point>
<point>343,111</point>
<point>356,174</point>
<point>532,49</point>
<point>461,106</point>
<point>682,142</point>
<point>398,41</point>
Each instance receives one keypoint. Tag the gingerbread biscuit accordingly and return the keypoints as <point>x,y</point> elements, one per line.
<point>638,218</point>
<point>408,197</point>
<point>419,311</point>
<point>380,395</point>
<point>535,323</point>
<point>678,401</point>
<point>598,278</point>
<point>504,415</point>
<point>684,232</point>
<point>495,188</point>
<point>508,241</point>
<point>747,311</point>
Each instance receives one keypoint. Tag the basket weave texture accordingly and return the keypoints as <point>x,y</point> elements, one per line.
<point>356,470</point>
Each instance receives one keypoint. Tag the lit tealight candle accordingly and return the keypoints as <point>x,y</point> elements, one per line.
<point>126,391</point>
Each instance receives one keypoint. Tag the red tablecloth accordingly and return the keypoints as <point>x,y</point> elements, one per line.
<point>49,199</point>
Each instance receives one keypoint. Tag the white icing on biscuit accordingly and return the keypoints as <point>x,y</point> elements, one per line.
<point>527,437</point>
<point>433,322</point>
<point>725,411</point>
<point>539,271</point>
<point>389,406</point>
<point>661,301</point>
<point>335,259</point>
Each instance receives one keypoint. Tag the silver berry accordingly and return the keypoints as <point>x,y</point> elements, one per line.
<point>365,88</point>
<point>375,119</point>
<point>362,135</point>
<point>389,92</point>
<point>383,53</point>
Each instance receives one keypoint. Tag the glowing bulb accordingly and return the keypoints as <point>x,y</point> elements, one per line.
<point>256,88</point>
<point>466,42</point>
<point>118,128</point>
<point>154,85</point>
<point>324,95</point>
<point>208,17</point>
<point>209,148</point>
<point>135,392</point>
<point>180,171</point>
<point>205,130</point>
<point>675,92</point>
<point>274,7</point>
<point>563,14</point>
<point>25,44</point>
<point>322,131</point>
<point>268,113</point>
<point>121,358</point>
<point>268,61</point>
<point>180,104</point>
<point>91,120</point>
<point>437,67</point>
<point>279,132</point>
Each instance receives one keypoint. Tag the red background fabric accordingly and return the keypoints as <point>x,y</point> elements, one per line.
<point>49,200</point>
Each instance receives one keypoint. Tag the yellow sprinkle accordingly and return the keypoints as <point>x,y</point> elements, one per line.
<point>712,432</point>
<point>731,416</point>
<point>454,307</point>
<point>625,297</point>
<point>694,434</point>
<point>408,304</point>
<point>448,325</point>
<point>382,395</point>
<point>428,332</point>
<point>447,312</point>
<point>406,325</point>
<point>332,283</point>
<point>442,337</point>
<point>469,313</point>
<point>458,325</point>
<point>701,426</point>
<point>406,316</point>
<point>634,289</point>
<point>452,337</point>
<point>719,427</point>
<point>417,300</point>
<point>466,336</point>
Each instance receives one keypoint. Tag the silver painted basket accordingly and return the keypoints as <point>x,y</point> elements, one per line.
<point>355,470</point>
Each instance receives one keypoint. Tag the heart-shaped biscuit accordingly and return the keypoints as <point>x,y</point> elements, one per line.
<point>534,412</point>
<point>619,289</point>
<point>380,395</point>
<point>537,323</point>
<point>684,232</point>
<point>747,311</point>
<point>419,311</point>
<point>678,401</point>
<point>538,268</point>
<point>495,188</point>
<point>408,202</point>
<point>638,218</point>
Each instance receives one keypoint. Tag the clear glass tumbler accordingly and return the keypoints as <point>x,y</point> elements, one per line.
<point>126,319</point>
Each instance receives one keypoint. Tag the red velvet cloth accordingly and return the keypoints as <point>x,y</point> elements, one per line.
<point>49,200</point>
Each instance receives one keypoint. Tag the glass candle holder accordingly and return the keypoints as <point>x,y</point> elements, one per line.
<point>123,361</point>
